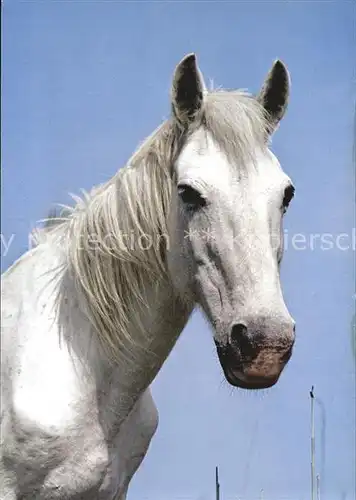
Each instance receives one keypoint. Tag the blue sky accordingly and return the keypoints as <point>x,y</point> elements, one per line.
<point>84,83</point>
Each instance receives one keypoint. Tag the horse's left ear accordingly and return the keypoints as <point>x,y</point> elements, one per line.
<point>187,90</point>
<point>274,95</point>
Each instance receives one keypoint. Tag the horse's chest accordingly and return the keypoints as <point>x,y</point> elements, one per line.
<point>68,466</point>
<point>80,475</point>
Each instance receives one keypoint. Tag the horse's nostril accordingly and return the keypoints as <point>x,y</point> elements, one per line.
<point>237,332</point>
<point>241,339</point>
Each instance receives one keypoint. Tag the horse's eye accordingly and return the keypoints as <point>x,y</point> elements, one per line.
<point>288,195</point>
<point>191,197</point>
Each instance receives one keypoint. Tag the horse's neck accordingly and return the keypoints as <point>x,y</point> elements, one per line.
<point>165,319</point>
<point>139,313</point>
<point>162,319</point>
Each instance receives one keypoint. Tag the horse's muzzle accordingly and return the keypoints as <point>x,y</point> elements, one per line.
<point>255,360</point>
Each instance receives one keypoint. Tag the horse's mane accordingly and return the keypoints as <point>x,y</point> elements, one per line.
<point>102,232</point>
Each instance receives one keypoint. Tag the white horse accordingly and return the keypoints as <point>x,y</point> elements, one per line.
<point>90,314</point>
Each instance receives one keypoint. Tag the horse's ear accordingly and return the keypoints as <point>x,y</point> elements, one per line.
<point>274,95</point>
<point>187,90</point>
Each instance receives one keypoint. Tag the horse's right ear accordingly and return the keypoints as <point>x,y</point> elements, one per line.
<point>187,91</point>
<point>274,95</point>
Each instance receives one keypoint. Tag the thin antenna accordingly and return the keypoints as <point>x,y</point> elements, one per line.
<point>312,443</point>
<point>318,487</point>
<point>217,485</point>
<point>321,405</point>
